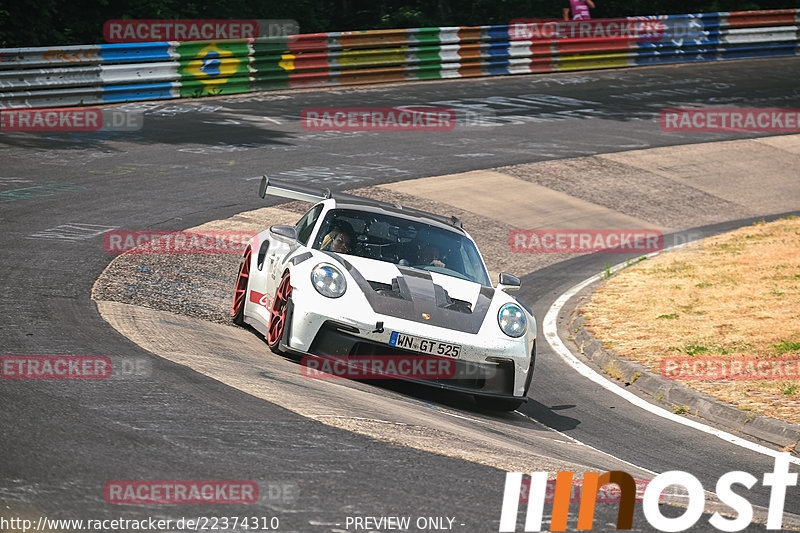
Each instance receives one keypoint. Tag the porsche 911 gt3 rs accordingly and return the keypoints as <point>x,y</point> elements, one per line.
<point>358,278</point>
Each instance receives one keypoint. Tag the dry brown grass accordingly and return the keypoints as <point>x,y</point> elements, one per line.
<point>730,296</point>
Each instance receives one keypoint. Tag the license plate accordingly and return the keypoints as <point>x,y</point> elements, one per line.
<point>408,342</point>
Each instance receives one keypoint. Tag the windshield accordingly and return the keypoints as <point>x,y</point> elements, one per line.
<point>403,242</point>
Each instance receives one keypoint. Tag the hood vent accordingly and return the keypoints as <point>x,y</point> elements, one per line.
<point>400,289</point>
<point>444,301</point>
<point>384,289</point>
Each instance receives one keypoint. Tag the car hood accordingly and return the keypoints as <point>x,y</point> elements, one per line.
<point>420,295</point>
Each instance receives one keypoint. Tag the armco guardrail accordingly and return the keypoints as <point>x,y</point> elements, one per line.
<point>110,73</point>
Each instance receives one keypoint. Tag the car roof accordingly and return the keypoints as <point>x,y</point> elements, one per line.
<point>303,192</point>
<point>358,203</point>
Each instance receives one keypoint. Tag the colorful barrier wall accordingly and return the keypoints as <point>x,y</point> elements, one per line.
<point>109,73</point>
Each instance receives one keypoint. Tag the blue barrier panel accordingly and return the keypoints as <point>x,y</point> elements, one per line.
<point>135,52</point>
<point>129,93</point>
<point>753,51</point>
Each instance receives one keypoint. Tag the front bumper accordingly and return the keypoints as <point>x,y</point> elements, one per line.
<point>490,363</point>
<point>494,377</point>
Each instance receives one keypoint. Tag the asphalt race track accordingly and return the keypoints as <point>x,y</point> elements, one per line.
<point>63,440</point>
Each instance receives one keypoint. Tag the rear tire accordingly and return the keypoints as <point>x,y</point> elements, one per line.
<point>278,315</point>
<point>240,291</point>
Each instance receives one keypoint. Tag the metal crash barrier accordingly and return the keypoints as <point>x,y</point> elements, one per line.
<point>111,73</point>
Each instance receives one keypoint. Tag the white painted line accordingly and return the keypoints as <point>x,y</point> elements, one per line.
<point>442,411</point>
<point>580,443</point>
<point>550,330</point>
<point>73,231</point>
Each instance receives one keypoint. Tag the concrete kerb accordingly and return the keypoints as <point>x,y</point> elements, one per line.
<point>666,392</point>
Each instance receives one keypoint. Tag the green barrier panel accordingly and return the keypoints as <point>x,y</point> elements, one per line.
<point>212,68</point>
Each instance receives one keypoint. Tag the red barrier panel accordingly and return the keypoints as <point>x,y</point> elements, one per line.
<point>750,19</point>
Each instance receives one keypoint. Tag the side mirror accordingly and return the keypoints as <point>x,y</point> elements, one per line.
<point>507,282</point>
<point>288,232</point>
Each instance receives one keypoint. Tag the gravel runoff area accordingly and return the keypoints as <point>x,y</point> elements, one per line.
<point>201,285</point>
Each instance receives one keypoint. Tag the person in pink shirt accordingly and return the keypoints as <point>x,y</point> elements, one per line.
<point>579,9</point>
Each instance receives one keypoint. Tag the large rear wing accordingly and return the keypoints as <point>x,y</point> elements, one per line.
<point>305,193</point>
<point>292,191</point>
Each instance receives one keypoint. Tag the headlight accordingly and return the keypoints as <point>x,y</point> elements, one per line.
<point>512,320</point>
<point>328,280</point>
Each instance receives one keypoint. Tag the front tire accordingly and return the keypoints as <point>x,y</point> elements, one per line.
<point>240,292</point>
<point>498,404</point>
<point>278,314</point>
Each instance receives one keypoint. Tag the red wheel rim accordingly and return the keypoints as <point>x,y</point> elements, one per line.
<point>278,311</point>
<point>241,284</point>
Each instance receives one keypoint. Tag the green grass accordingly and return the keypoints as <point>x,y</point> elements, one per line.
<point>680,410</point>
<point>694,349</point>
<point>786,346</point>
<point>631,262</point>
<point>671,316</point>
<point>789,388</point>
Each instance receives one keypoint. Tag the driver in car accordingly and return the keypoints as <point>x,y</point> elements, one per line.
<point>429,255</point>
<point>339,239</point>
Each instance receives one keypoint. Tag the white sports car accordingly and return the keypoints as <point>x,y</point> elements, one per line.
<point>360,278</point>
